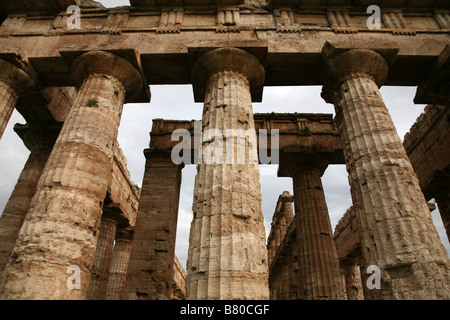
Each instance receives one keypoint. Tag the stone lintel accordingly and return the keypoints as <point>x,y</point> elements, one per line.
<point>181,3</point>
<point>436,87</point>
<point>50,6</point>
<point>207,59</point>
<point>297,133</point>
<point>361,3</point>
<point>121,63</point>
<point>343,58</point>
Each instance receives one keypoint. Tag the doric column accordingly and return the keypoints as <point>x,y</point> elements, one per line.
<point>39,139</point>
<point>150,271</point>
<point>397,231</point>
<point>319,271</point>
<point>13,83</point>
<point>98,283</point>
<point>443,201</point>
<point>57,241</point>
<point>119,264</point>
<point>353,286</point>
<point>227,256</point>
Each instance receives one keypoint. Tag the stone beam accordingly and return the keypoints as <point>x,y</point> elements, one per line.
<point>293,59</point>
<point>298,133</point>
<point>181,3</point>
<point>435,88</point>
<point>361,3</point>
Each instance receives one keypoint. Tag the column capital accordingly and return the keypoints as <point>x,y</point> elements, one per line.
<point>293,162</point>
<point>38,135</point>
<point>107,63</point>
<point>16,78</point>
<point>228,58</point>
<point>342,61</point>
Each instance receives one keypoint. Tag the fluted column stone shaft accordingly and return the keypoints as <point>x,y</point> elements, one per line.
<point>98,283</point>
<point>353,286</point>
<point>39,139</point>
<point>59,232</point>
<point>119,265</point>
<point>319,271</point>
<point>397,231</point>
<point>443,202</point>
<point>227,254</point>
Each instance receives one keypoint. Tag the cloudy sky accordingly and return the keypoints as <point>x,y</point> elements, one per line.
<point>177,103</point>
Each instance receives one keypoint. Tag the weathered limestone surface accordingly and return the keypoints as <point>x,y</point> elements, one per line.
<point>283,265</point>
<point>179,281</point>
<point>398,234</point>
<point>60,228</point>
<point>227,257</point>
<point>39,139</point>
<point>119,264</point>
<point>98,284</point>
<point>427,145</point>
<point>150,271</point>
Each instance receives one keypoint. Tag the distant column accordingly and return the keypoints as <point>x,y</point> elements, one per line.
<point>443,202</point>
<point>319,271</point>
<point>150,271</point>
<point>397,231</point>
<point>119,264</point>
<point>39,139</point>
<point>353,286</point>
<point>98,283</point>
<point>58,238</point>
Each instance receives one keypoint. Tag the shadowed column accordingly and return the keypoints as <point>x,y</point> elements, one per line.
<point>39,139</point>
<point>59,231</point>
<point>150,271</point>
<point>119,264</point>
<point>397,231</point>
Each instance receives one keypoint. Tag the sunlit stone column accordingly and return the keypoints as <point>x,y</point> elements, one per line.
<point>39,139</point>
<point>59,231</point>
<point>119,264</point>
<point>227,254</point>
<point>397,231</point>
<point>13,82</point>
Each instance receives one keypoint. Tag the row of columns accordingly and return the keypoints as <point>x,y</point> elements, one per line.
<point>227,256</point>
<point>61,225</point>
<point>112,255</point>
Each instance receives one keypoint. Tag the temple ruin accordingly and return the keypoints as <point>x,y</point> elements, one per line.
<point>77,225</point>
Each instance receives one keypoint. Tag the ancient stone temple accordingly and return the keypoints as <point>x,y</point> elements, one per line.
<point>77,225</point>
